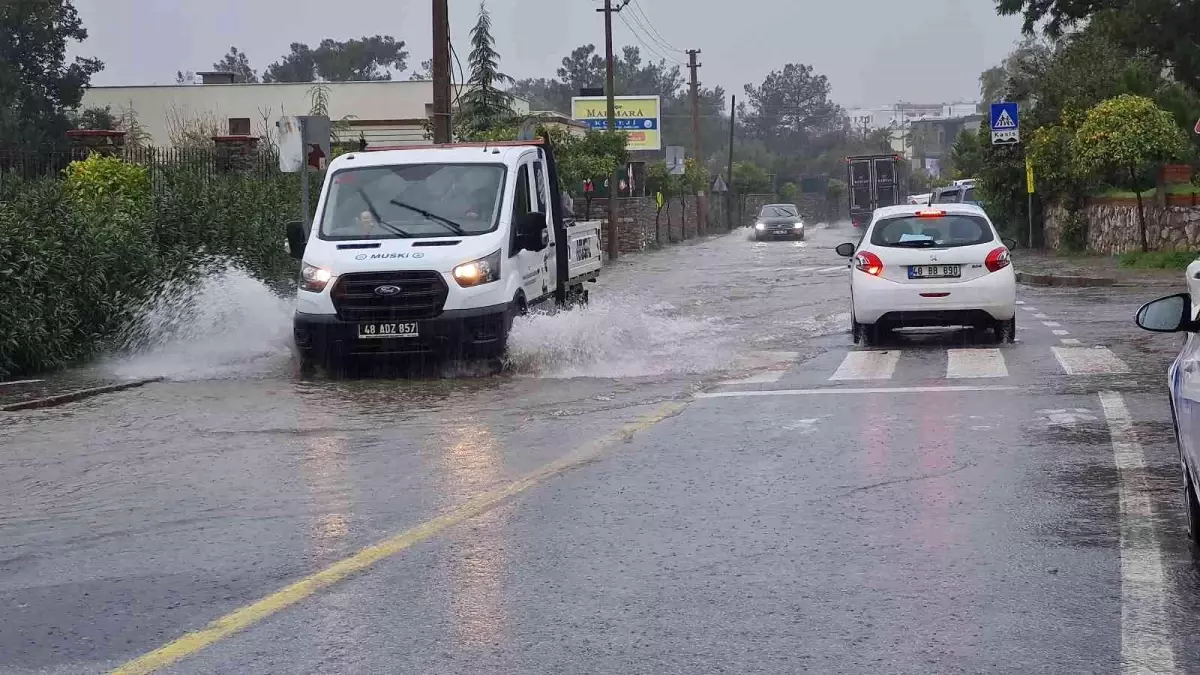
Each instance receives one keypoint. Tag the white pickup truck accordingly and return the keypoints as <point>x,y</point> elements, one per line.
<point>435,250</point>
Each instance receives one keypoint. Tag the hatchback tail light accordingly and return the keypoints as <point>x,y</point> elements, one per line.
<point>865,261</point>
<point>997,260</point>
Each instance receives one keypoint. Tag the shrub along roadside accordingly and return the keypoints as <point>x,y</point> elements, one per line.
<point>77,260</point>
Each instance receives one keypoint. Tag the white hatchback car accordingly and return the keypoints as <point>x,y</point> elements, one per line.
<point>940,265</point>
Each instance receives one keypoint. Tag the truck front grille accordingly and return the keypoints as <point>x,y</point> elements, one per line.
<point>422,295</point>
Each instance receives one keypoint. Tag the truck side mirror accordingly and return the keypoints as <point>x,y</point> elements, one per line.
<point>297,239</point>
<point>532,234</point>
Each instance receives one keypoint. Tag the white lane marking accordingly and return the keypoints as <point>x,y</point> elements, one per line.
<point>13,382</point>
<point>970,363</point>
<point>867,366</point>
<point>1020,302</point>
<point>1052,324</point>
<point>1030,309</point>
<point>861,390</point>
<point>769,377</point>
<point>1060,332</point>
<point>1071,341</point>
<point>1040,316</point>
<point>1145,627</point>
<point>839,268</point>
<point>1084,361</point>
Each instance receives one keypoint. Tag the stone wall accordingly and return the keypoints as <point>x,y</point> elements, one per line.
<point>677,222</point>
<point>1112,226</point>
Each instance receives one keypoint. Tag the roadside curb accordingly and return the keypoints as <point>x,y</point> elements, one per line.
<point>1063,280</point>
<point>78,395</point>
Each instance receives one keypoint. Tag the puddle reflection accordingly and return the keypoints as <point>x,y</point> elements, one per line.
<point>471,463</point>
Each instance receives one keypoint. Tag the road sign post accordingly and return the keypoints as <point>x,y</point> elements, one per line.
<point>1029,193</point>
<point>676,164</point>
<point>304,145</point>
<point>1006,124</point>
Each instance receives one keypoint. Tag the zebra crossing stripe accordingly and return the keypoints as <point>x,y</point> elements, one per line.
<point>975,363</point>
<point>867,366</point>
<point>1089,361</point>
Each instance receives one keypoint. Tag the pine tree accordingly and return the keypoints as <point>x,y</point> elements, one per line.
<point>485,105</point>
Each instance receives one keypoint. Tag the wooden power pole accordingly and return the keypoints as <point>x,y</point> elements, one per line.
<point>441,72</point>
<point>614,182</point>
<point>701,198</point>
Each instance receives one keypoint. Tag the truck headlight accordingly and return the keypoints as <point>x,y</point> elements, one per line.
<point>760,226</point>
<point>478,272</point>
<point>798,226</point>
<point>313,278</point>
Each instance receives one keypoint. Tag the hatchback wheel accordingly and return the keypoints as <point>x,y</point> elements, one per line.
<point>1005,331</point>
<point>1192,509</point>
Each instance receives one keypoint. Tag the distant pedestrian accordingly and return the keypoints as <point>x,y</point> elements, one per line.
<point>568,206</point>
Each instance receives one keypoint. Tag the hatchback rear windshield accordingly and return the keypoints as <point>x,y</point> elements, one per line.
<point>944,232</point>
<point>946,197</point>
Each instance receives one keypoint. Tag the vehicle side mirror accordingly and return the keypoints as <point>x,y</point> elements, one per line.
<point>532,233</point>
<point>297,239</point>
<point>1167,315</point>
<point>845,250</point>
<point>1010,243</point>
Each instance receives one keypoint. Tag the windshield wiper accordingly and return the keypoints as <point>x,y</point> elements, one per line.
<point>394,229</point>
<point>442,220</point>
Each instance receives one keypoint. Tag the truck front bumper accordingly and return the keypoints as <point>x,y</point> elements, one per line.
<point>480,332</point>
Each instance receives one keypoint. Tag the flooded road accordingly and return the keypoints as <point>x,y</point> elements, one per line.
<point>699,473</point>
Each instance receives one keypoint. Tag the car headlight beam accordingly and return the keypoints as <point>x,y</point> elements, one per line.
<point>313,278</point>
<point>478,272</point>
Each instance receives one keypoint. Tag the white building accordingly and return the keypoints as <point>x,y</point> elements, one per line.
<point>899,117</point>
<point>385,113</point>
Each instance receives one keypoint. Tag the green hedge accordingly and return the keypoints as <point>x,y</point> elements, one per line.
<point>74,267</point>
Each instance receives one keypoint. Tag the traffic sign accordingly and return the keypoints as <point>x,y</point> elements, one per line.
<point>719,185</point>
<point>1197,127</point>
<point>1006,124</point>
<point>676,165</point>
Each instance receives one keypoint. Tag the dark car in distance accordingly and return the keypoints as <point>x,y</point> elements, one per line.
<point>779,221</point>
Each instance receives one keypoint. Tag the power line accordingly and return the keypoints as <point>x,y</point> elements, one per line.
<point>652,31</point>
<point>654,51</point>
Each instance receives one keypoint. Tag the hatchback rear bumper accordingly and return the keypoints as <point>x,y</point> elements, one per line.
<point>991,297</point>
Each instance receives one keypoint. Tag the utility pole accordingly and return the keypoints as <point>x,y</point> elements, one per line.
<point>729,192</point>
<point>441,72</point>
<point>701,199</point>
<point>614,182</point>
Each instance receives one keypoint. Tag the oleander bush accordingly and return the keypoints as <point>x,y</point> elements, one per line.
<point>78,255</point>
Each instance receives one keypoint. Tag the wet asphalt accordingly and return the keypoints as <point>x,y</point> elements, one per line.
<point>774,520</point>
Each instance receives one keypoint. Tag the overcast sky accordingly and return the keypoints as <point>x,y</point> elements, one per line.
<point>875,52</point>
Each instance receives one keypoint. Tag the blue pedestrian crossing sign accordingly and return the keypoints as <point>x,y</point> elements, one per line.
<point>1006,124</point>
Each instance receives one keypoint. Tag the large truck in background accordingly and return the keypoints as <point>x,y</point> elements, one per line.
<point>435,249</point>
<point>875,181</point>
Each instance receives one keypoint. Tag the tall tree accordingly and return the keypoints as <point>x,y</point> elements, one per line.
<point>236,62</point>
<point>791,106</point>
<point>1165,27</point>
<point>298,65</point>
<point>425,73</point>
<point>357,60</point>
<point>485,105</point>
<point>37,83</point>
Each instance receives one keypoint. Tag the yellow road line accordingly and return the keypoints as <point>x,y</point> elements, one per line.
<point>251,614</point>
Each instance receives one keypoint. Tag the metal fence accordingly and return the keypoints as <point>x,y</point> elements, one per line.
<point>30,165</point>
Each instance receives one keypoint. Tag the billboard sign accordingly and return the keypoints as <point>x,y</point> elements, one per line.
<point>638,116</point>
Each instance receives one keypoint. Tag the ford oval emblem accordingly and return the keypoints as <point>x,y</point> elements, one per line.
<point>361,256</point>
<point>387,291</point>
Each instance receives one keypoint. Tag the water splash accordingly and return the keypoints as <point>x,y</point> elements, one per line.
<point>614,338</point>
<point>222,323</point>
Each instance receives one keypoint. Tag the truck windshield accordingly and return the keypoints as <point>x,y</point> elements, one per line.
<point>413,201</point>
